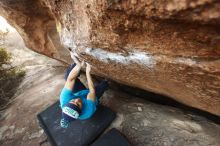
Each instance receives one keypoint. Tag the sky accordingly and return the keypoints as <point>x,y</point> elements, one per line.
<point>4,25</point>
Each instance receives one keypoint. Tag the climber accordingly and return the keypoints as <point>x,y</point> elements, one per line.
<point>76,101</point>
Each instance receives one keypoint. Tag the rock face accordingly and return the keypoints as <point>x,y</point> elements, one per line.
<point>36,26</point>
<point>168,47</point>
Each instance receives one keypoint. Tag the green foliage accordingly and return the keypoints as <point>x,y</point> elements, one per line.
<point>10,78</point>
<point>4,57</point>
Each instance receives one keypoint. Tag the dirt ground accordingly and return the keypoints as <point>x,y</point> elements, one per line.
<point>39,88</point>
<point>142,122</point>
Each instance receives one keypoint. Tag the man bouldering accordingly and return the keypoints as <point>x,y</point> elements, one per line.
<point>76,101</point>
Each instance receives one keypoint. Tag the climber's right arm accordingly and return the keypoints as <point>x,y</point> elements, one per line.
<point>70,82</point>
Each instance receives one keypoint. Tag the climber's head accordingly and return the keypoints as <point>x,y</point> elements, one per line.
<point>71,112</point>
<point>77,102</point>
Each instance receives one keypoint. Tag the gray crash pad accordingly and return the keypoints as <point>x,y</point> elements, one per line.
<point>112,138</point>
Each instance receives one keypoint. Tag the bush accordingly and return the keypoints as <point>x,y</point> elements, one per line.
<point>10,78</point>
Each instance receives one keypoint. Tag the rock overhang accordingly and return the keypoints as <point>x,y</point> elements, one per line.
<point>168,47</point>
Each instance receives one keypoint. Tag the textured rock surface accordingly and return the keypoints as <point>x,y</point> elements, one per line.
<point>142,122</point>
<point>170,47</point>
<point>36,26</point>
<point>147,124</point>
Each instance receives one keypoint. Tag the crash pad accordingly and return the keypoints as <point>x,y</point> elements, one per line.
<point>112,138</point>
<point>80,132</point>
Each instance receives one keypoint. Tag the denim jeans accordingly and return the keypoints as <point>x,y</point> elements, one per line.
<point>99,89</point>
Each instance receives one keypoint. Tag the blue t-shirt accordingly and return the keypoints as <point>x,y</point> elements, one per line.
<point>88,106</point>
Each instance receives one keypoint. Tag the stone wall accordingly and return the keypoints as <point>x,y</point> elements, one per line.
<point>170,47</point>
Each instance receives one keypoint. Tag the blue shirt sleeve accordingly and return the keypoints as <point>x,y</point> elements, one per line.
<point>65,96</point>
<point>92,106</point>
<point>88,110</point>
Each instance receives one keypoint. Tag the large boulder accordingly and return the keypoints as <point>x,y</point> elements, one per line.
<point>36,26</point>
<point>169,47</point>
